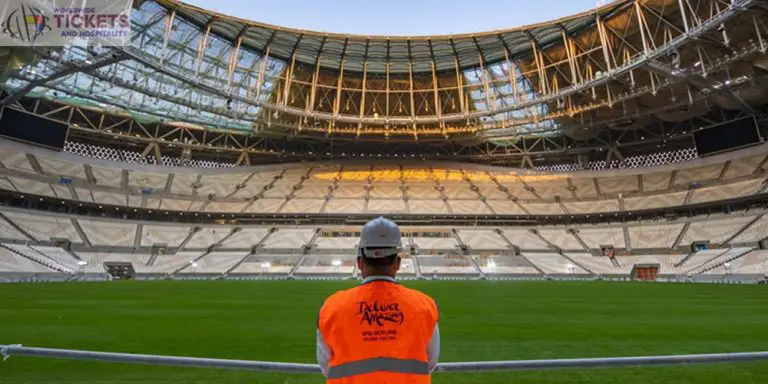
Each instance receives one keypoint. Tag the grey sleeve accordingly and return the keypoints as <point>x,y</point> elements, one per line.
<point>323,353</point>
<point>433,349</point>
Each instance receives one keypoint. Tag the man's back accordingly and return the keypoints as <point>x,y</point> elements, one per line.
<point>379,331</point>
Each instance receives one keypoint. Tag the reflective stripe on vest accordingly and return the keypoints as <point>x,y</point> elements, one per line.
<point>378,364</point>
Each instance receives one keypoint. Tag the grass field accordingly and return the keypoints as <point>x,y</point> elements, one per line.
<point>479,321</point>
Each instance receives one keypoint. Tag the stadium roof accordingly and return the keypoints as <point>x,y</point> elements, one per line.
<point>604,79</point>
<point>402,53</point>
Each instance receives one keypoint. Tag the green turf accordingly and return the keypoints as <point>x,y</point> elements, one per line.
<point>479,321</point>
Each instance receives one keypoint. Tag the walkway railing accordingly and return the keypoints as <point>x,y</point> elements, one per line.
<point>474,366</point>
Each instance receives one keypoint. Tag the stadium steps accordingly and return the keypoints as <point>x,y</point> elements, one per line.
<point>16,227</point>
<point>684,259</point>
<point>306,250</point>
<point>560,252</point>
<point>515,249</point>
<point>679,238</point>
<point>210,249</point>
<point>465,251</point>
<point>416,265</point>
<point>533,265</point>
<point>81,233</point>
<point>43,262</point>
<point>256,247</point>
<point>576,236</point>
<point>52,259</point>
<point>137,237</point>
<point>195,260</point>
<point>334,185</point>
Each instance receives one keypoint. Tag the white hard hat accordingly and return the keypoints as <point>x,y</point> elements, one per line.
<point>383,236</point>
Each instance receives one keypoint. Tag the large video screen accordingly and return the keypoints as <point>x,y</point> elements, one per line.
<point>31,129</point>
<point>727,136</point>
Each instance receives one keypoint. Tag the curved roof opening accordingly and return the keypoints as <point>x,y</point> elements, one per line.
<point>398,17</point>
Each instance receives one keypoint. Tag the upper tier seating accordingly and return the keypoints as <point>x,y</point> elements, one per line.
<point>427,243</point>
<point>289,238</point>
<point>44,227</point>
<point>339,243</point>
<point>482,239</point>
<point>297,189</point>
<point>716,231</point>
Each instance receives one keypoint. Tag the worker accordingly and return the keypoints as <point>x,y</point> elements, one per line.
<point>379,331</point>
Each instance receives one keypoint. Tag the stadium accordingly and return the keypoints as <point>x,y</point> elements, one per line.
<point>558,185</point>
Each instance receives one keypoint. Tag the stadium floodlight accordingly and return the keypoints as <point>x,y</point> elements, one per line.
<point>82,263</point>
<point>336,263</point>
<point>266,265</point>
<point>491,265</point>
<point>194,265</point>
<point>570,268</point>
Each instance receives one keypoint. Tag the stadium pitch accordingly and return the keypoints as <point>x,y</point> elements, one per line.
<point>275,320</point>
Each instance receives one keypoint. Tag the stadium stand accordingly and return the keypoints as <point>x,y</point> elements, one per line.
<point>327,264</point>
<point>667,263</point>
<point>722,258</point>
<point>555,264</point>
<point>45,228</point>
<point>754,263</point>
<point>715,231</point>
<point>445,263</point>
<point>289,238</point>
<point>11,262</point>
<point>482,239</point>
<point>600,265</point>
<point>32,242</point>
<point>214,263</point>
<point>654,236</point>
<point>227,175</point>
<point>505,265</point>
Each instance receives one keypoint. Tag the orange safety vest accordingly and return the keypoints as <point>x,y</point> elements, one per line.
<point>378,332</point>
